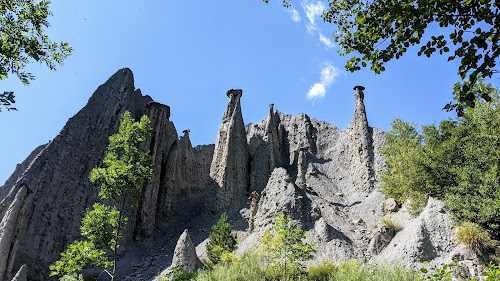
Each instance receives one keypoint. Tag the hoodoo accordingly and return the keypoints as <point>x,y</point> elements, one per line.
<point>360,146</point>
<point>231,160</point>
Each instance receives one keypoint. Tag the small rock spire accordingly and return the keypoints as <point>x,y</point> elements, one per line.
<point>302,167</point>
<point>273,140</point>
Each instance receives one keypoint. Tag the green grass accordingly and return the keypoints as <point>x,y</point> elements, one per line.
<point>249,268</point>
<point>473,236</point>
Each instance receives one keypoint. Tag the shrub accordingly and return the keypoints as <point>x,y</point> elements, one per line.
<point>474,237</point>
<point>220,240</point>
<point>391,221</point>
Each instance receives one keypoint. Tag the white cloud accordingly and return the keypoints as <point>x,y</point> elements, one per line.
<point>318,90</point>
<point>326,41</point>
<point>294,14</point>
<point>313,11</point>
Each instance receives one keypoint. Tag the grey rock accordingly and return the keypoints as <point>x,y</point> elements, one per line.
<point>231,160</point>
<point>185,253</point>
<point>389,206</point>
<point>22,274</point>
<point>9,230</point>
<point>380,239</point>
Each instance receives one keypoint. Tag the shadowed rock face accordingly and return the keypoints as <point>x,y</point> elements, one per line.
<point>231,160</point>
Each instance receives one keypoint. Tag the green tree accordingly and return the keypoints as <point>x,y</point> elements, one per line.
<point>23,39</point>
<point>220,240</point>
<point>377,31</point>
<point>283,248</point>
<point>127,168</point>
<point>457,161</point>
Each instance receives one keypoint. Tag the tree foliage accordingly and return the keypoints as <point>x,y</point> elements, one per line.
<point>23,39</point>
<point>283,248</point>
<point>126,169</point>
<point>375,32</point>
<point>221,240</point>
<point>457,161</point>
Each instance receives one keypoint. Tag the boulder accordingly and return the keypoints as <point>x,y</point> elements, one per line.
<point>389,206</point>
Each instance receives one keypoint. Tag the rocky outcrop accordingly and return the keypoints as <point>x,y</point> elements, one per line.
<point>22,274</point>
<point>380,239</point>
<point>360,146</point>
<point>273,140</point>
<point>185,253</point>
<point>231,160</point>
<point>428,237</point>
<point>282,196</point>
<point>160,145</point>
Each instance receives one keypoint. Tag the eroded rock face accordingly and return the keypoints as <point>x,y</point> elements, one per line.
<point>230,164</point>
<point>60,191</point>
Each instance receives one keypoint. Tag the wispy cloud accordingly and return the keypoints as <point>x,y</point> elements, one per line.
<point>313,10</point>
<point>294,14</point>
<point>318,90</point>
<point>326,41</point>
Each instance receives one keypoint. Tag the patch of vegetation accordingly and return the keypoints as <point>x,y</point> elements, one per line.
<point>473,236</point>
<point>391,221</point>
<point>245,267</point>
<point>457,162</point>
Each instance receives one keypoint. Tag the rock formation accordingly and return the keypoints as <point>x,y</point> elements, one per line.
<point>381,238</point>
<point>360,144</point>
<point>302,167</point>
<point>185,253</point>
<point>334,196</point>
<point>230,164</point>
<point>59,189</point>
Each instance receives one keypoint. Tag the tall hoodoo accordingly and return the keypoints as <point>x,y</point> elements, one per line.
<point>273,140</point>
<point>360,143</point>
<point>229,169</point>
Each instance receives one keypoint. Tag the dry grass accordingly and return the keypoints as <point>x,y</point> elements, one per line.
<point>474,237</point>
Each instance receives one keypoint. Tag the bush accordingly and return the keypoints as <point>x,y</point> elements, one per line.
<point>220,240</point>
<point>474,237</point>
<point>391,221</point>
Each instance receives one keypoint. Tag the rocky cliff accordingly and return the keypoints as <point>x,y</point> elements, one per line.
<point>322,177</point>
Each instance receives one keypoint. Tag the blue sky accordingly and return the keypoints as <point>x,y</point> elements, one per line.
<point>186,54</point>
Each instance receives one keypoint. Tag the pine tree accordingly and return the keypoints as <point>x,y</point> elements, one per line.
<point>221,240</point>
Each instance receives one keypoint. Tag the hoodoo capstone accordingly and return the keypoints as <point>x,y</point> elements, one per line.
<point>231,160</point>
